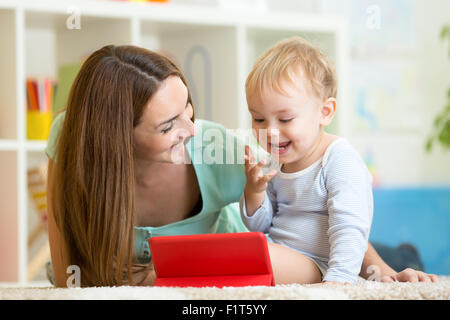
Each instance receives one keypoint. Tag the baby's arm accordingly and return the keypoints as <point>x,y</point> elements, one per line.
<point>261,220</point>
<point>350,207</point>
<point>256,209</point>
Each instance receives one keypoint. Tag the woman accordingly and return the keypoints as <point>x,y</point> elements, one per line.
<point>117,175</point>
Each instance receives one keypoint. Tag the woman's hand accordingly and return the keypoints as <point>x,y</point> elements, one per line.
<point>410,275</point>
<point>374,268</point>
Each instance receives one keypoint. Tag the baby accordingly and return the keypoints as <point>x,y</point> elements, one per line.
<point>319,202</point>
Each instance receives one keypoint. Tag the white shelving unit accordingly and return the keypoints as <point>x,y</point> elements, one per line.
<point>215,49</point>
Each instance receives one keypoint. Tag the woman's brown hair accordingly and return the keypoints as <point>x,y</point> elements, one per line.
<point>93,186</point>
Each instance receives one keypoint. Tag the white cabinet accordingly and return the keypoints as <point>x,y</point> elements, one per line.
<point>215,49</point>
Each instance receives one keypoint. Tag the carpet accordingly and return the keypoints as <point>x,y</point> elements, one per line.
<point>362,290</point>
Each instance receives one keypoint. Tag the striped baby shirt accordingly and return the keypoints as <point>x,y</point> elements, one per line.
<point>324,211</point>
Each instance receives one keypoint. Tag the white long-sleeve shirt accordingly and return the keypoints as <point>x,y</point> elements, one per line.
<point>324,211</point>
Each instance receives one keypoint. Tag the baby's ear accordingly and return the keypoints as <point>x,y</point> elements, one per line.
<point>327,111</point>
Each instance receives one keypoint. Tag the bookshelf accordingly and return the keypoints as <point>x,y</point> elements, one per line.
<point>215,49</point>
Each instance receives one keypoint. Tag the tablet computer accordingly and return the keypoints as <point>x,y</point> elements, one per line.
<point>212,260</point>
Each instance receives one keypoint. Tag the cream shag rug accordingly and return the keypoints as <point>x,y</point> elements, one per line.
<point>365,290</point>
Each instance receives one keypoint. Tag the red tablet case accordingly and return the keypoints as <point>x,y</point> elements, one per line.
<point>212,260</point>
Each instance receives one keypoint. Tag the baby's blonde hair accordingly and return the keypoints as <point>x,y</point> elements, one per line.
<point>285,59</point>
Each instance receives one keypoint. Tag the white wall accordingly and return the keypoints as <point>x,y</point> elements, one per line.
<point>434,71</point>
<point>405,52</point>
<point>403,68</point>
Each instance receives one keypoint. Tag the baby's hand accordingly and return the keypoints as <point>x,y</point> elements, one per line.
<point>256,180</point>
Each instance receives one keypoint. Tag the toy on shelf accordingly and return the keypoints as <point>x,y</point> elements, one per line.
<point>37,182</point>
<point>40,97</point>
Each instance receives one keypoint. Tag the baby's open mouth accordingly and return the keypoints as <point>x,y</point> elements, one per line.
<point>281,146</point>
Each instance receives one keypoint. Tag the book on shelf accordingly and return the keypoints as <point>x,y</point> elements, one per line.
<point>66,76</point>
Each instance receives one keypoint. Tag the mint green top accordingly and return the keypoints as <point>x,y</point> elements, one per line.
<point>221,186</point>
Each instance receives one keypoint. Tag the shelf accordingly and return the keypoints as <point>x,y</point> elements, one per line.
<point>9,228</point>
<point>8,145</point>
<point>36,145</point>
<point>37,238</point>
<point>59,45</point>
<point>171,12</point>
<point>214,49</point>
<point>260,39</point>
<point>205,56</point>
<point>8,78</point>
<point>14,145</point>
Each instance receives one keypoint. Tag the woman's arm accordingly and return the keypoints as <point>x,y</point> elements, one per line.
<point>374,268</point>
<point>55,239</point>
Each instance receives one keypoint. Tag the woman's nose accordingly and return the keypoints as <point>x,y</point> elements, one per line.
<point>273,132</point>
<point>190,127</point>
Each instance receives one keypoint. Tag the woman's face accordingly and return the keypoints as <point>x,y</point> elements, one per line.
<point>166,124</point>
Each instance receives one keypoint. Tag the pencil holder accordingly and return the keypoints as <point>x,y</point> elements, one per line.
<point>38,125</point>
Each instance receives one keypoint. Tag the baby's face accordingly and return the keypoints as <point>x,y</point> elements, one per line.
<point>292,119</point>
